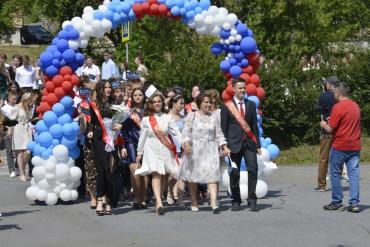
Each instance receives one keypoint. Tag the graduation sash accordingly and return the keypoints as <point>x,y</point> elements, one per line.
<point>162,137</point>
<point>241,121</point>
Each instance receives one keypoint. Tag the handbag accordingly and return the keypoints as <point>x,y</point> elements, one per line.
<point>232,167</point>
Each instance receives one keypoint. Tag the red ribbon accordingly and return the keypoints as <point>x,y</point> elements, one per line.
<point>162,138</point>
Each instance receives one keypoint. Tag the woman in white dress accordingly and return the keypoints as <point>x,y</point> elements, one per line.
<point>202,139</point>
<point>156,148</point>
<point>22,133</point>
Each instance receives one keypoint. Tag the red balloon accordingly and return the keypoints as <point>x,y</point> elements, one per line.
<point>44,107</point>
<point>230,83</point>
<point>154,9</point>
<point>145,8</point>
<point>49,86</point>
<point>251,89</point>
<point>255,79</point>
<point>230,91</point>
<point>38,109</point>
<point>58,79</point>
<point>71,94</point>
<point>52,99</point>
<point>162,9</point>
<point>225,97</point>
<point>245,77</point>
<point>67,86</point>
<point>137,8</point>
<point>153,2</point>
<point>59,92</point>
<point>44,92</point>
<point>248,70</point>
<point>46,78</point>
<point>253,57</point>
<point>43,98</point>
<point>66,70</point>
<point>67,78</point>
<point>260,93</point>
<point>228,76</point>
<point>75,80</point>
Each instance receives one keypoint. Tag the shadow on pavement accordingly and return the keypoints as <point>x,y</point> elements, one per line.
<point>13,213</point>
<point>273,193</point>
<point>9,227</point>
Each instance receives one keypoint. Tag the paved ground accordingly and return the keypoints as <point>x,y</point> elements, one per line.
<point>291,215</point>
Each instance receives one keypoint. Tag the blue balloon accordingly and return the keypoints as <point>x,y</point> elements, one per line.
<point>217,49</point>
<point>225,34</point>
<point>62,35</point>
<point>52,48</point>
<point>205,4</point>
<point>51,71</point>
<point>73,34</point>
<point>46,58</point>
<point>250,33</point>
<point>76,127</point>
<point>232,48</point>
<point>198,10</point>
<point>62,45</point>
<point>68,27</point>
<point>74,66</point>
<point>70,111</point>
<point>264,145</point>
<point>255,99</point>
<point>124,17</point>
<point>98,15</point>
<point>109,14</point>
<point>69,55</point>
<point>58,109</point>
<point>239,56</point>
<point>243,165</point>
<point>31,145</point>
<point>45,139</point>
<point>246,96</point>
<point>37,151</point>
<point>274,151</point>
<point>65,118</point>
<point>236,71</point>
<point>56,131</point>
<point>131,15</point>
<point>126,7</point>
<point>50,118</point>
<point>190,15</point>
<point>74,153</point>
<point>232,61</point>
<point>175,11</point>
<point>248,45</point>
<point>55,41</point>
<point>67,101</point>
<point>244,62</point>
<point>56,142</point>
<point>183,11</point>
<point>179,3</point>
<point>69,143</point>
<point>268,141</point>
<point>56,63</point>
<point>62,62</point>
<point>242,29</point>
<point>41,126</point>
<point>68,130</point>
<point>225,66</point>
<point>45,155</point>
<point>237,48</point>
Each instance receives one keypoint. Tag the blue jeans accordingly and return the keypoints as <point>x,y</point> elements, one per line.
<point>337,159</point>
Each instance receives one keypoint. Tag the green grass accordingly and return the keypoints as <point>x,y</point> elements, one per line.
<point>309,154</point>
<point>33,51</point>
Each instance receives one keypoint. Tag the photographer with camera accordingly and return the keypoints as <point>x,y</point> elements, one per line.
<point>325,104</point>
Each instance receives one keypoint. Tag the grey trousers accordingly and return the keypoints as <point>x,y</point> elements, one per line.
<point>9,153</point>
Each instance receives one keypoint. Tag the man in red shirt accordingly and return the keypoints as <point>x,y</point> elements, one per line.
<point>344,123</point>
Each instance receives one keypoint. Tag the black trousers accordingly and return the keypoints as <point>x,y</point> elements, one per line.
<point>250,158</point>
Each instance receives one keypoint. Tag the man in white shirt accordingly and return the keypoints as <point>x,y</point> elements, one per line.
<point>25,75</point>
<point>91,70</point>
<point>109,68</point>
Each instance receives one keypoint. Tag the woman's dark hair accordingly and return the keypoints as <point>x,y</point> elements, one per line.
<point>149,110</point>
<point>99,91</point>
<point>174,100</point>
<point>132,95</point>
<point>84,79</point>
<point>13,83</point>
<point>201,98</point>
<point>19,57</point>
<point>201,90</point>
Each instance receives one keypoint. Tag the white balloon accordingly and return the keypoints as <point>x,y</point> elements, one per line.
<point>226,26</point>
<point>227,42</point>
<point>51,199</point>
<point>265,155</point>
<point>261,166</point>
<point>41,195</point>
<point>88,18</point>
<point>238,38</point>
<point>31,193</point>
<point>88,30</point>
<point>76,173</point>
<point>213,10</point>
<point>62,172</point>
<point>66,23</point>
<point>261,189</point>
<point>209,21</point>
<point>201,30</point>
<point>44,185</point>
<point>231,39</point>
<point>76,184</point>
<point>57,190</point>
<point>234,32</point>
<point>106,25</point>
<point>232,19</point>
<point>83,35</point>
<point>84,43</point>
<point>65,195</point>
<point>216,31</point>
<point>230,55</point>
<point>33,182</point>
<point>223,11</point>
<point>270,167</point>
<point>50,176</point>
<point>243,191</point>
<point>74,44</point>
<point>36,160</point>
<point>103,8</point>
<point>74,195</point>
<point>222,42</point>
<point>63,186</point>
<point>199,20</point>
<point>97,27</point>
<point>76,20</point>
<point>225,179</point>
<point>106,2</point>
<point>60,152</point>
<point>39,172</point>
<point>243,177</point>
<point>220,19</point>
<point>191,24</point>
<point>88,9</point>
<point>70,162</point>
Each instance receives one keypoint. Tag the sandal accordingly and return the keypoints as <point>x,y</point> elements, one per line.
<point>100,212</point>
<point>108,212</point>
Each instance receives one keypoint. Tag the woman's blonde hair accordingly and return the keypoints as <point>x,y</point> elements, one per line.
<point>25,102</point>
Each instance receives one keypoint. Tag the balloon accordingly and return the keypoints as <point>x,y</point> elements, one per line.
<point>245,77</point>
<point>69,55</point>
<point>50,118</point>
<point>50,165</point>
<point>36,161</point>
<point>243,177</point>
<point>67,102</point>
<point>51,199</point>
<point>59,92</point>
<point>261,189</point>
<point>39,172</point>
<point>268,141</point>
<point>66,70</point>
<point>60,152</point>
<point>61,172</point>
<point>65,195</point>
<point>242,29</point>
<point>75,153</point>
<point>45,139</point>
<point>255,100</point>
<point>51,71</point>
<point>46,58</point>
<point>41,126</point>
<point>235,71</point>
<point>265,154</point>
<point>58,109</point>
<point>56,131</point>
<point>230,90</point>
<point>43,184</point>
<point>74,195</point>
<point>251,89</point>
<point>225,66</point>
<point>31,145</point>
<point>248,45</point>
<point>62,45</point>
<point>274,151</point>
<point>31,193</point>
<point>216,49</point>
<point>67,86</point>
<point>52,99</point>
<point>260,93</point>
<point>41,195</point>
<point>243,191</point>
<point>75,173</point>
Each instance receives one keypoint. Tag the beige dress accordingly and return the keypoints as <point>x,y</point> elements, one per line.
<point>22,133</point>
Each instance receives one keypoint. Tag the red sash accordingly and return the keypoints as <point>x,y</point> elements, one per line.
<point>243,124</point>
<point>162,138</point>
<point>136,118</point>
<point>119,140</point>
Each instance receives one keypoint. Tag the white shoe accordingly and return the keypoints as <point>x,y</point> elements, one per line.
<point>194,209</point>
<point>12,174</point>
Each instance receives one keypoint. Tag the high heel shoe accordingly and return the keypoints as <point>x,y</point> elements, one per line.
<point>216,210</point>
<point>100,212</point>
<point>108,212</point>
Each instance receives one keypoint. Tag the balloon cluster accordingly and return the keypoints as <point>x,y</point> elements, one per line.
<point>54,177</point>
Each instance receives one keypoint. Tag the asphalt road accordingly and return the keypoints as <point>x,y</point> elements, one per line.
<point>290,215</point>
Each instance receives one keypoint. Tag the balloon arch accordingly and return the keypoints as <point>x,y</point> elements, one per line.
<point>55,142</point>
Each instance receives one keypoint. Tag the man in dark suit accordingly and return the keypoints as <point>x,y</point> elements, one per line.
<point>240,143</point>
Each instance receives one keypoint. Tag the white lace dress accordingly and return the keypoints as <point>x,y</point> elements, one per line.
<point>22,132</point>
<point>157,157</point>
<point>205,134</point>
